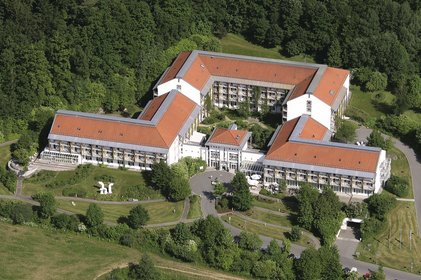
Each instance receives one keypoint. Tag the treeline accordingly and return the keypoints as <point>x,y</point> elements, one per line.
<point>89,55</point>
<point>105,55</point>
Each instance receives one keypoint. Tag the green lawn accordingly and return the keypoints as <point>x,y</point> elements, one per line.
<point>33,253</point>
<point>284,205</point>
<point>261,229</point>
<point>123,180</point>
<point>4,158</point>
<point>400,167</point>
<point>159,212</point>
<point>236,44</point>
<point>42,254</point>
<point>269,217</point>
<point>195,210</point>
<point>367,105</point>
<point>402,219</point>
<point>414,116</point>
<point>4,155</point>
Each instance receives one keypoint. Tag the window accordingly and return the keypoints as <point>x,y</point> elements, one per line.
<point>233,157</point>
<point>308,106</point>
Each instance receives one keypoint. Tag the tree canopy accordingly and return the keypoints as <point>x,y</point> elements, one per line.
<point>94,215</point>
<point>242,198</point>
<point>138,216</point>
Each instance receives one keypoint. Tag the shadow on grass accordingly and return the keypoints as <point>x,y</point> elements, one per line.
<point>383,107</point>
<point>291,203</point>
<point>122,220</point>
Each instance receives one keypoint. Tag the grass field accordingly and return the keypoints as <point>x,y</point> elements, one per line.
<point>284,205</point>
<point>401,220</point>
<point>4,155</point>
<point>4,158</point>
<point>370,105</point>
<point>400,167</point>
<point>33,253</point>
<point>123,179</point>
<point>236,44</point>
<point>159,212</point>
<point>195,210</point>
<point>269,217</point>
<point>41,254</point>
<point>260,229</point>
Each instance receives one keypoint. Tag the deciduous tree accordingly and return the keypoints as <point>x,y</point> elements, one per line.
<point>138,217</point>
<point>94,215</point>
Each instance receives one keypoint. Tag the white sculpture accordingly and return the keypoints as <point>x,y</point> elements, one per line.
<point>110,185</point>
<point>102,189</point>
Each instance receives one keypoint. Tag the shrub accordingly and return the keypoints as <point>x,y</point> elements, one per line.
<point>114,233</point>
<point>345,132</point>
<point>47,204</point>
<point>194,165</point>
<point>105,178</point>
<point>43,176</point>
<point>22,213</point>
<point>139,192</point>
<point>8,179</point>
<point>204,129</point>
<point>6,208</point>
<point>126,240</point>
<point>295,233</point>
<point>94,215</point>
<point>74,191</point>
<point>138,217</point>
<point>397,186</point>
<point>371,227</point>
<point>81,172</point>
<point>249,241</point>
<point>64,221</point>
<point>380,204</point>
<point>223,204</point>
<point>181,251</point>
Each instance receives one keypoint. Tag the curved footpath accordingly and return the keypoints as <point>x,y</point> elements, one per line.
<point>201,185</point>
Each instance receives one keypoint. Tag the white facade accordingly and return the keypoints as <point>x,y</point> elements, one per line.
<point>308,104</point>
<point>181,86</point>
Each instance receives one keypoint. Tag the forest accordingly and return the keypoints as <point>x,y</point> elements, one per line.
<point>105,56</point>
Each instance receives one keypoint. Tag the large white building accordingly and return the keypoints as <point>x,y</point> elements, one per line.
<point>310,97</point>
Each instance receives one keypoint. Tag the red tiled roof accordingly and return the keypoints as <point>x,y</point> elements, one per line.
<point>198,74</point>
<point>299,76</point>
<point>228,136</point>
<point>330,85</point>
<point>153,106</point>
<point>313,130</point>
<point>162,135</point>
<point>256,70</point>
<point>319,154</point>
<point>175,67</point>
